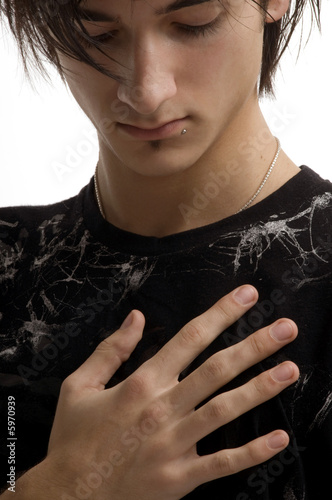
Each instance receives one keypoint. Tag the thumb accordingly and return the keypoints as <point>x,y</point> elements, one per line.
<point>100,367</point>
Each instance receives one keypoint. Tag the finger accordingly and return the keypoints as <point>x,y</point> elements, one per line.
<point>227,462</point>
<point>196,335</point>
<point>228,406</point>
<point>225,365</point>
<point>97,370</point>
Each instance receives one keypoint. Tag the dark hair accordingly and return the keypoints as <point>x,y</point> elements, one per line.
<point>43,27</point>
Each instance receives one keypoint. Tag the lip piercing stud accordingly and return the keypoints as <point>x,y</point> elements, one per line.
<point>184,131</point>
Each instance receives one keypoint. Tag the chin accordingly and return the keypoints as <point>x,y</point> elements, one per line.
<point>161,169</point>
<point>156,160</point>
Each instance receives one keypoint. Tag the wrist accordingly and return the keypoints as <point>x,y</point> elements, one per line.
<point>40,482</point>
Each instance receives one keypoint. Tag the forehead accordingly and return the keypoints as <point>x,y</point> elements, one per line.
<point>96,10</point>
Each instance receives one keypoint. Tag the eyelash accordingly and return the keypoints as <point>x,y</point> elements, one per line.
<point>186,30</point>
<point>88,41</point>
<point>198,31</point>
<point>103,38</point>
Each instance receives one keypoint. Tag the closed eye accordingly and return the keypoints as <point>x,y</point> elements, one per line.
<point>104,37</point>
<point>93,41</point>
<point>200,30</point>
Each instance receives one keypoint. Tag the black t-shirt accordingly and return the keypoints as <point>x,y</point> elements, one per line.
<point>69,278</point>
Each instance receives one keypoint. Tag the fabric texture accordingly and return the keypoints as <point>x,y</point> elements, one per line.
<point>69,278</point>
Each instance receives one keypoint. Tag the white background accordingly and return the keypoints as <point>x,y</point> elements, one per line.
<point>43,132</point>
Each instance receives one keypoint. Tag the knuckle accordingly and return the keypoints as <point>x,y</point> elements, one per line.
<point>217,408</point>
<point>178,479</point>
<point>113,342</point>
<point>106,343</point>
<point>224,464</point>
<point>257,344</point>
<point>155,414</point>
<point>194,333</point>
<point>253,453</point>
<point>166,478</point>
<point>136,385</point>
<point>261,388</point>
<point>213,369</point>
<point>224,312</point>
<point>115,347</point>
<point>158,444</point>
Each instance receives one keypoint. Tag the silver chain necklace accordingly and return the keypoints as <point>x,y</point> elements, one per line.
<point>267,175</point>
<point>97,193</point>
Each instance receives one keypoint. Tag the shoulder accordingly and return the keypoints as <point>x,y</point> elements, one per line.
<point>310,182</point>
<point>26,231</point>
<point>315,196</point>
<point>305,213</point>
<point>302,236</point>
<point>33,217</point>
<point>307,197</point>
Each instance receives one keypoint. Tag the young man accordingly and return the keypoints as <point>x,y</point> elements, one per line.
<point>192,198</point>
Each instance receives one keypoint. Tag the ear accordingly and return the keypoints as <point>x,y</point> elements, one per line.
<point>276,10</point>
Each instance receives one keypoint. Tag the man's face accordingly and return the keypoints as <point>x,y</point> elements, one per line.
<point>187,64</point>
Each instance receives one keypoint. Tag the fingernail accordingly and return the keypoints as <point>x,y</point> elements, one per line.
<point>127,322</point>
<point>281,331</point>
<point>283,372</point>
<point>277,441</point>
<point>245,295</point>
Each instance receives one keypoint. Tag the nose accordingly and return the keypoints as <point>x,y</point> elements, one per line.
<point>151,80</point>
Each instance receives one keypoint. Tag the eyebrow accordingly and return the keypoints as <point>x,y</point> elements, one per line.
<point>179,4</point>
<point>92,15</point>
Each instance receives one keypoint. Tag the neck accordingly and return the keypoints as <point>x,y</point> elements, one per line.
<point>215,187</point>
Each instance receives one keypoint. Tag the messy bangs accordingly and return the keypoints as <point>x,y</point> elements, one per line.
<point>44,28</point>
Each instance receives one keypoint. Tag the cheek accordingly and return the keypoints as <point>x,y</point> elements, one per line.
<point>95,93</point>
<point>227,69</point>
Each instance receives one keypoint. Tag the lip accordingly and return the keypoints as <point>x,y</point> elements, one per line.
<point>154,134</point>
